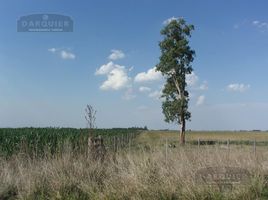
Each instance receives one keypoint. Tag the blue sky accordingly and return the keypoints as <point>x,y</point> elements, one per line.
<point>46,79</point>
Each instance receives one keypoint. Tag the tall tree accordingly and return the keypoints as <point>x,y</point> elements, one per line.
<point>175,63</point>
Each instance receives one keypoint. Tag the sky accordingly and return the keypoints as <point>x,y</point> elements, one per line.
<point>48,78</point>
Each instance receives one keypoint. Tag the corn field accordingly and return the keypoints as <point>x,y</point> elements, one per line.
<point>40,141</point>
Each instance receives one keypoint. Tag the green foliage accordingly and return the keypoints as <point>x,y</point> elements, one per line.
<point>175,63</point>
<point>39,141</point>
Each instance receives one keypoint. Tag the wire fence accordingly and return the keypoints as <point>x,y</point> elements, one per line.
<point>168,145</point>
<point>119,142</point>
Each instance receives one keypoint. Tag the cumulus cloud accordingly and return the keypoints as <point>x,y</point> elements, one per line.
<point>236,87</point>
<point>191,79</point>
<point>64,54</point>
<point>116,54</point>
<point>106,68</point>
<point>116,80</point>
<point>117,77</point>
<point>200,100</point>
<point>144,89</point>
<point>150,75</point>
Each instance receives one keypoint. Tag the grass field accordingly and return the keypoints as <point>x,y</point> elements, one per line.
<point>155,137</point>
<point>136,173</point>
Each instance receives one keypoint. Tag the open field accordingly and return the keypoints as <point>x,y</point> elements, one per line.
<point>136,172</point>
<point>210,135</point>
<point>52,140</point>
<point>154,137</point>
<point>137,175</point>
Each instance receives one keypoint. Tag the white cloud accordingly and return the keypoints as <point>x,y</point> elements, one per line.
<point>117,77</point>
<point>144,89</point>
<point>64,54</point>
<point>53,50</point>
<point>236,87</point>
<point>191,79</point>
<point>106,68</point>
<point>200,100</point>
<point>116,54</point>
<point>116,80</point>
<point>150,75</point>
<point>256,22</point>
<point>67,55</point>
<point>156,94</point>
<point>167,21</point>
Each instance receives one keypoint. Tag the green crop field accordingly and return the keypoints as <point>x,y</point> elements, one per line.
<point>37,141</point>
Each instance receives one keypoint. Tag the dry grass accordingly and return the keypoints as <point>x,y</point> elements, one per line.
<point>133,174</point>
<point>156,137</point>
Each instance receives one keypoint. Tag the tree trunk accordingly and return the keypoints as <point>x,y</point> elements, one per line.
<point>182,131</point>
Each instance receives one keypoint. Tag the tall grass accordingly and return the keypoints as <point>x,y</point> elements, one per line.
<point>129,174</point>
<point>155,136</point>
